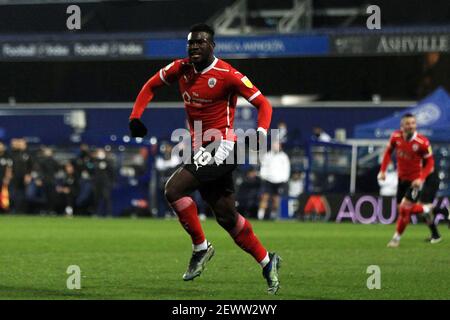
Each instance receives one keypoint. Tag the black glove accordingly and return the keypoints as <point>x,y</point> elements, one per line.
<point>137,128</point>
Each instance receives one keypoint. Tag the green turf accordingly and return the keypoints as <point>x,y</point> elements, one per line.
<point>145,259</point>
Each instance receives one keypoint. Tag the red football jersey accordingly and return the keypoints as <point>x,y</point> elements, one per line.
<point>410,154</point>
<point>210,95</point>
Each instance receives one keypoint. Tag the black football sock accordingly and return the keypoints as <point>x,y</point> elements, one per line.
<point>434,231</point>
<point>432,225</point>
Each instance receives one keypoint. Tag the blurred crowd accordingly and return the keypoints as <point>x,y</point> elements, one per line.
<point>34,181</point>
<point>41,181</point>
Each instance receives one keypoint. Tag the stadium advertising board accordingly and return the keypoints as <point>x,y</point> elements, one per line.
<point>246,47</point>
<point>387,44</point>
<point>109,47</point>
<point>65,50</point>
<point>358,208</point>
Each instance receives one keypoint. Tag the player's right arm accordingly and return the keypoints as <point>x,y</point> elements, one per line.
<point>386,158</point>
<point>165,76</point>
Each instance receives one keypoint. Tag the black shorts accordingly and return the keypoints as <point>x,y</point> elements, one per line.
<point>425,195</point>
<point>213,177</point>
<point>273,188</point>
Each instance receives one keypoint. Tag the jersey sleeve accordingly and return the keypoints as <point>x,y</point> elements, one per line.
<point>391,144</point>
<point>426,149</point>
<point>387,153</point>
<point>170,73</point>
<point>427,154</point>
<point>243,86</point>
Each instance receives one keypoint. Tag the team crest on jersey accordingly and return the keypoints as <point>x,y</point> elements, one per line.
<point>415,147</point>
<point>247,82</point>
<point>212,82</point>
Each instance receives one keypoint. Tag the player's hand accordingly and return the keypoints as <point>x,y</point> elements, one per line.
<point>261,141</point>
<point>417,184</point>
<point>223,151</point>
<point>382,176</point>
<point>137,128</point>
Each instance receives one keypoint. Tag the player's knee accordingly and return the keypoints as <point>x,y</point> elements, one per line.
<point>402,210</point>
<point>171,193</point>
<point>226,217</point>
<point>226,222</point>
<point>405,211</point>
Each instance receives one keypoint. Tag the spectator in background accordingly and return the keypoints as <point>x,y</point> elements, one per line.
<point>165,165</point>
<point>5,177</point>
<point>388,187</point>
<point>35,195</point>
<point>320,135</point>
<point>83,161</point>
<point>282,132</point>
<point>85,197</point>
<point>275,172</point>
<point>22,165</point>
<point>48,168</point>
<point>247,196</point>
<point>103,178</point>
<point>296,185</point>
<point>66,190</point>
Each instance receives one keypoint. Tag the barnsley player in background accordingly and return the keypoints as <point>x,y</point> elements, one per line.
<point>209,88</point>
<point>418,183</point>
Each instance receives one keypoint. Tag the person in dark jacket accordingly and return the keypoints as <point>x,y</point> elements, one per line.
<point>48,168</point>
<point>22,165</point>
<point>67,189</point>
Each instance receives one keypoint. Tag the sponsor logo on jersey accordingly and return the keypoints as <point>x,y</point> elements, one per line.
<point>247,82</point>
<point>212,82</point>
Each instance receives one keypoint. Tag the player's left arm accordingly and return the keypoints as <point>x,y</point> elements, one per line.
<point>245,88</point>
<point>428,167</point>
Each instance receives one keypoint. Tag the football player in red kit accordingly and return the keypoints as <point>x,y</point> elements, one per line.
<point>418,183</point>
<point>209,87</point>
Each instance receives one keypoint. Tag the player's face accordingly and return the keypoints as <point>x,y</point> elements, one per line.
<point>408,126</point>
<point>200,47</point>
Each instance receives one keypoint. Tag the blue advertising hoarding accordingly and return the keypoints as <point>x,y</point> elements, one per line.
<point>246,47</point>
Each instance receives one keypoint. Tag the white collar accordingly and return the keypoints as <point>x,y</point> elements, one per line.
<point>208,67</point>
<point>413,137</point>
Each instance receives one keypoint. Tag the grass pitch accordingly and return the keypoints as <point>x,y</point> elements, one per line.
<point>145,259</point>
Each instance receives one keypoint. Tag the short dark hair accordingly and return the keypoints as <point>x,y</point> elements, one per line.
<point>408,115</point>
<point>203,27</point>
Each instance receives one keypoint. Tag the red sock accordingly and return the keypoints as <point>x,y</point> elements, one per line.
<point>244,237</point>
<point>403,219</point>
<point>417,208</point>
<point>187,213</point>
